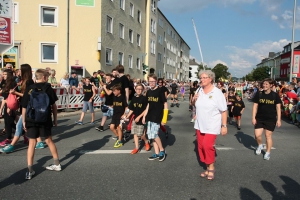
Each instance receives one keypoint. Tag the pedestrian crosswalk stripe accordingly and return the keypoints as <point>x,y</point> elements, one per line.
<point>110,151</point>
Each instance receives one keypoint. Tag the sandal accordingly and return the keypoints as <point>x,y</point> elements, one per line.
<point>2,132</point>
<point>204,174</point>
<point>211,177</point>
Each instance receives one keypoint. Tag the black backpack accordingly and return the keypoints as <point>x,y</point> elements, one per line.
<point>38,107</point>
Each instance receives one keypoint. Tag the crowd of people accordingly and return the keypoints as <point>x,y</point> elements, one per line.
<point>140,106</point>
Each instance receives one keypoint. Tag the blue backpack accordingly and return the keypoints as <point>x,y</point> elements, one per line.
<point>38,107</point>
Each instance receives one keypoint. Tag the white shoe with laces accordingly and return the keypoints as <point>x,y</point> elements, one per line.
<point>258,150</point>
<point>54,167</point>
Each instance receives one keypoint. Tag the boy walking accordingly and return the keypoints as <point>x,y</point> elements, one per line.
<point>119,108</point>
<point>237,109</point>
<point>137,107</point>
<point>155,114</point>
<point>88,101</point>
<point>38,123</point>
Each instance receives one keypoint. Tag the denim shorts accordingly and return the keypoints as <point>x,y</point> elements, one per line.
<point>109,113</point>
<point>86,105</point>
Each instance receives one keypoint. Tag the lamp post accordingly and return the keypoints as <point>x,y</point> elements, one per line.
<point>272,71</point>
<point>292,46</point>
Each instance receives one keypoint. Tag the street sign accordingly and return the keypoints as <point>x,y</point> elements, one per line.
<point>89,3</point>
<point>5,31</point>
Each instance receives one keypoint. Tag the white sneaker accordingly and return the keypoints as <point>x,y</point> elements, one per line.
<point>29,175</point>
<point>267,156</point>
<point>192,121</point>
<point>258,150</point>
<point>54,167</point>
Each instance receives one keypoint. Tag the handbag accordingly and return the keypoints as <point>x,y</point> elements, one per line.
<point>12,101</point>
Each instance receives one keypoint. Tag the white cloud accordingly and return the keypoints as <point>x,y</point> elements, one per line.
<point>212,64</point>
<point>243,60</point>
<point>274,17</point>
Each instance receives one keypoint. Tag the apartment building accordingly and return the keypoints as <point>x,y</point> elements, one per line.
<point>88,35</point>
<point>172,51</point>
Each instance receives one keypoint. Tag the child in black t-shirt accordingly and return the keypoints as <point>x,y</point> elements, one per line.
<point>88,99</point>
<point>137,108</point>
<point>237,109</point>
<point>155,114</point>
<point>230,101</point>
<point>34,129</point>
<point>119,107</point>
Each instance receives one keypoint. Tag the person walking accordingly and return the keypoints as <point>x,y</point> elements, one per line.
<point>266,114</point>
<point>211,120</point>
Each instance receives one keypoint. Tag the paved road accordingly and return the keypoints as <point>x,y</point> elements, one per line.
<point>104,175</point>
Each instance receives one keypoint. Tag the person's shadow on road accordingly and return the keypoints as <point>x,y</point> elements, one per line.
<point>78,152</point>
<point>291,190</point>
<point>248,141</point>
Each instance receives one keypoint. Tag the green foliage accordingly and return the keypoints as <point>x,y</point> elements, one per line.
<point>258,74</point>
<point>221,71</point>
<point>200,67</point>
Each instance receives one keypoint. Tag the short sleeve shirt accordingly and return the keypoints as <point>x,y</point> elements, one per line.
<point>209,108</point>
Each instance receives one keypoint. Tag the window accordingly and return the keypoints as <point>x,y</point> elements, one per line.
<point>169,30</point>
<point>16,13</point>
<point>138,63</point>
<point>152,46</point>
<point>121,31</point>
<point>49,16</point>
<point>138,39</point>
<point>161,22</point>
<point>160,39</point>
<point>131,10</point>
<point>159,57</point>
<point>109,24</point>
<point>108,56</point>
<point>139,17</point>
<point>130,61</point>
<point>49,52</point>
<point>130,36</point>
<point>122,4</point>
<point>152,25</point>
<point>121,58</point>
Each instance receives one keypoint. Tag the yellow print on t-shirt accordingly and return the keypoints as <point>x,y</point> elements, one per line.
<point>238,104</point>
<point>117,103</point>
<point>154,99</point>
<point>87,90</point>
<point>137,105</point>
<point>267,101</point>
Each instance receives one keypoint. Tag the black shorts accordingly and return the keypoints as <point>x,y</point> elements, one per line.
<point>35,132</point>
<point>174,93</point>
<point>267,125</point>
<point>116,122</point>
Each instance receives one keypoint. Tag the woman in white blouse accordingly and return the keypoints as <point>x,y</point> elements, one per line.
<point>64,81</point>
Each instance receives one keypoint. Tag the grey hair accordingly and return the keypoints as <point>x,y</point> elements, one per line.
<point>52,71</point>
<point>209,73</point>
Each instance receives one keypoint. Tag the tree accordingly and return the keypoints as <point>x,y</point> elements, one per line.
<point>200,67</point>
<point>221,71</point>
<point>260,73</point>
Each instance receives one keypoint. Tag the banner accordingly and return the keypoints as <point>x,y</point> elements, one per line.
<point>296,64</point>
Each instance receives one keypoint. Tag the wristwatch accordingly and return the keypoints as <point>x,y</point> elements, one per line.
<point>224,125</point>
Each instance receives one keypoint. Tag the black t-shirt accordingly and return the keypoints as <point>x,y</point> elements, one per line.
<point>124,83</point>
<point>231,89</point>
<point>131,88</point>
<point>2,84</point>
<point>109,98</point>
<point>156,99</point>
<point>193,91</point>
<point>174,87</point>
<point>88,92</point>
<point>6,93</point>
<point>266,105</point>
<point>116,81</point>
<point>238,106</point>
<point>138,105</point>
<point>231,100</point>
<point>52,99</point>
<point>164,90</point>
<point>95,81</point>
<point>119,105</point>
<point>28,83</point>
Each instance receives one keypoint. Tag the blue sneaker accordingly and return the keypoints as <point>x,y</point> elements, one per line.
<point>40,145</point>
<point>92,123</point>
<point>8,149</point>
<point>78,122</point>
<point>162,156</point>
<point>153,157</point>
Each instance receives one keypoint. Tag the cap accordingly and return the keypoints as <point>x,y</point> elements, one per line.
<point>73,72</point>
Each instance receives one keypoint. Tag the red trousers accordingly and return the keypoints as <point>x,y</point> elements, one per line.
<point>206,147</point>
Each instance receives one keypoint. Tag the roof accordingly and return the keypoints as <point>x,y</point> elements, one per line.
<point>193,62</point>
<point>173,27</point>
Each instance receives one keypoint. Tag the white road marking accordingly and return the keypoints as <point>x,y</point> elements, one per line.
<point>110,151</point>
<point>224,148</point>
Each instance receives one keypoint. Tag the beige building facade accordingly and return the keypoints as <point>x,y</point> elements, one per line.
<point>99,34</point>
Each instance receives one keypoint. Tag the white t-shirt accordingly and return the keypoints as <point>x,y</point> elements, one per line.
<point>209,108</point>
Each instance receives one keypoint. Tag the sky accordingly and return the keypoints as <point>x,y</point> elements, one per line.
<point>236,33</point>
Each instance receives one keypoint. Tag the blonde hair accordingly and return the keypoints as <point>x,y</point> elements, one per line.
<point>65,74</point>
